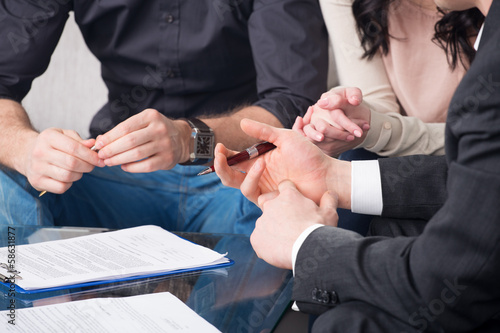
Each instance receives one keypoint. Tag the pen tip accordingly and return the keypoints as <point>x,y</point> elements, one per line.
<point>205,172</point>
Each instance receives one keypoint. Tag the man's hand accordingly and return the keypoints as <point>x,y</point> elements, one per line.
<point>146,142</point>
<point>295,158</point>
<point>57,158</point>
<point>337,122</point>
<point>286,214</point>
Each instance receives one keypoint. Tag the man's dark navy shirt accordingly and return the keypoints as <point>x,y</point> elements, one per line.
<point>184,58</point>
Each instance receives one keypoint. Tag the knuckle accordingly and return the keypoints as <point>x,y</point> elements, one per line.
<point>71,163</point>
<point>151,114</point>
<point>64,175</point>
<point>125,128</point>
<point>149,166</point>
<point>131,140</point>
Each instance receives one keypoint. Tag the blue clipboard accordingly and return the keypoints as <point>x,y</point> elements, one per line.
<point>128,278</point>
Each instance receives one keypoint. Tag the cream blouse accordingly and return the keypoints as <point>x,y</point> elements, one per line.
<point>413,79</point>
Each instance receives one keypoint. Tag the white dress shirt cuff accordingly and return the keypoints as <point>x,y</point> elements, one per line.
<point>366,188</point>
<point>298,243</point>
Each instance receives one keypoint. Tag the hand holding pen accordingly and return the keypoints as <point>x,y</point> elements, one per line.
<point>92,149</point>
<point>245,155</point>
<point>295,158</point>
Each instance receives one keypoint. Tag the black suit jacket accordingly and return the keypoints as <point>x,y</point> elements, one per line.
<point>448,278</point>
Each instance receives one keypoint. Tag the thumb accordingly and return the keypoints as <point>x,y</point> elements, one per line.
<point>89,143</point>
<point>259,130</point>
<point>353,95</point>
<point>329,202</point>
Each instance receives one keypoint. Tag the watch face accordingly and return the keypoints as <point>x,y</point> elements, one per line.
<point>204,146</point>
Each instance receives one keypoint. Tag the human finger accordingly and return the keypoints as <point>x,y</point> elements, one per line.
<point>250,186</point>
<point>266,197</point>
<point>334,133</point>
<point>125,146</point>
<point>61,174</point>
<point>75,156</point>
<point>328,206</point>
<point>228,176</point>
<point>308,115</point>
<point>353,95</point>
<point>340,98</point>
<point>286,185</point>
<point>339,117</point>
<point>312,133</point>
<point>261,131</point>
<point>53,186</point>
<point>298,125</point>
<point>132,124</point>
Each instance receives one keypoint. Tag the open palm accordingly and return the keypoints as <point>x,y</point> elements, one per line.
<point>295,158</point>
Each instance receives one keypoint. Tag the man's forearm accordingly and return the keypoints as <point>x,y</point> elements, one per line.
<point>15,131</point>
<point>228,131</point>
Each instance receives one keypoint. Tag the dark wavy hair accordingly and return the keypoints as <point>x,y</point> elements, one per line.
<point>452,32</point>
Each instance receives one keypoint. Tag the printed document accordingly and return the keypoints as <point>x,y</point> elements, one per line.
<point>111,255</point>
<point>152,313</point>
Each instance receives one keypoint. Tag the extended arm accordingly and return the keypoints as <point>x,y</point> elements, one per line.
<point>452,266</point>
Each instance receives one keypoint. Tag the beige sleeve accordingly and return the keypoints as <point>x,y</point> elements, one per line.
<point>392,134</point>
<point>371,78</point>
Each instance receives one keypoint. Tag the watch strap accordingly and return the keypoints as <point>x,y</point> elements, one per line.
<point>201,134</point>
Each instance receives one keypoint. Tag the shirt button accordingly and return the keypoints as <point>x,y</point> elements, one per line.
<point>387,125</point>
<point>169,18</point>
<point>334,299</point>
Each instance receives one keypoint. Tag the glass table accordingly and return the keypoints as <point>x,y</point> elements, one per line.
<point>249,296</point>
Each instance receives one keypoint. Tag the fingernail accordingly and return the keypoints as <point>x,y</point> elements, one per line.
<point>357,133</point>
<point>366,127</point>
<point>98,145</point>
<point>257,165</point>
<point>323,101</point>
<point>349,138</point>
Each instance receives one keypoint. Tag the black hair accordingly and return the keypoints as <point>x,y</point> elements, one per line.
<point>453,32</point>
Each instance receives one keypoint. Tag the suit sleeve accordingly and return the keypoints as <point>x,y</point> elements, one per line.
<point>29,32</point>
<point>413,187</point>
<point>447,278</point>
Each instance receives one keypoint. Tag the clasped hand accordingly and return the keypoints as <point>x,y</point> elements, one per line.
<point>337,122</point>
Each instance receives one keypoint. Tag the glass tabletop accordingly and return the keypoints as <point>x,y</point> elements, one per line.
<point>249,296</point>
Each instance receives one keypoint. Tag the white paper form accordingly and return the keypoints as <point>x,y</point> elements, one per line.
<point>152,313</point>
<point>111,255</point>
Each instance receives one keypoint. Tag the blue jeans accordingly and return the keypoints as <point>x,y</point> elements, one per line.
<point>176,200</point>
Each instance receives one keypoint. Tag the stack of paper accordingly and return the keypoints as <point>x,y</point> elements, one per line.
<point>153,313</point>
<point>110,256</point>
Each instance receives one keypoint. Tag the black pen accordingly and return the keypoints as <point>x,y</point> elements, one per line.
<point>245,155</point>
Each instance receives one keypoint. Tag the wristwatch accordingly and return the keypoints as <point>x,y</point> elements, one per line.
<point>202,143</point>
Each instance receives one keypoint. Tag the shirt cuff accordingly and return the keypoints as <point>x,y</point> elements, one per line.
<point>366,188</point>
<point>300,240</point>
